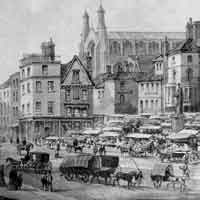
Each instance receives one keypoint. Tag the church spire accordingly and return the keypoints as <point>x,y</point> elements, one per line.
<point>86,26</point>
<point>101,20</point>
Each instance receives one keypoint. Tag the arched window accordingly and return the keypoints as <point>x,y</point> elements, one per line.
<point>130,67</point>
<point>115,48</point>
<point>189,74</point>
<point>140,48</point>
<point>122,99</point>
<point>127,48</point>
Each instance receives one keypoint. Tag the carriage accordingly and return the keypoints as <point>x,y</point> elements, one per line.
<point>160,173</point>
<point>37,162</point>
<point>32,170</point>
<point>87,167</point>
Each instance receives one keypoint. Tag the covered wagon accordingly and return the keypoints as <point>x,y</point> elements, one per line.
<point>86,166</point>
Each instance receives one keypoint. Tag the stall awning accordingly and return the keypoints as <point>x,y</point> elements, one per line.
<point>139,136</point>
<point>168,125</point>
<point>183,134</point>
<point>92,132</point>
<point>109,134</point>
<point>53,138</point>
<point>151,127</point>
<point>114,129</point>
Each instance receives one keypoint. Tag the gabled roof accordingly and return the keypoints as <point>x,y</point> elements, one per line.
<point>187,46</point>
<point>65,69</point>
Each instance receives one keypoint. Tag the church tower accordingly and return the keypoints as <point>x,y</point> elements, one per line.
<point>101,19</point>
<point>102,37</point>
<point>84,34</point>
<point>86,26</point>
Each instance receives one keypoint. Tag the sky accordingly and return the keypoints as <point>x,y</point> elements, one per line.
<point>26,23</point>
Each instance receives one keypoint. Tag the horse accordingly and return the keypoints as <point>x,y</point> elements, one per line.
<point>138,175</point>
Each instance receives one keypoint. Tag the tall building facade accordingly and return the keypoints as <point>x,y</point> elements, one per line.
<point>184,68</point>
<point>109,47</point>
<point>15,104</point>
<point>40,93</point>
<point>77,95</point>
<point>5,106</point>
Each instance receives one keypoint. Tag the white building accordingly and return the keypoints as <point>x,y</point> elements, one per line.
<point>184,68</point>
<point>40,93</point>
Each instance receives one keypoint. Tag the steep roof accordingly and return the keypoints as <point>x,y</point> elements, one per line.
<point>158,58</point>
<point>187,46</point>
<point>146,35</point>
<point>65,69</point>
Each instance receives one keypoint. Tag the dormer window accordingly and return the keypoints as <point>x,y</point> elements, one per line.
<point>75,76</point>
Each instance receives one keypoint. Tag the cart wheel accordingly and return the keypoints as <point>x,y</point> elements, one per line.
<point>85,177</point>
<point>68,175</point>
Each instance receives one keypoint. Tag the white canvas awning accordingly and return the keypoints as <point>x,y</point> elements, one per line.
<point>183,134</point>
<point>109,134</point>
<point>114,129</point>
<point>139,136</point>
<point>92,132</point>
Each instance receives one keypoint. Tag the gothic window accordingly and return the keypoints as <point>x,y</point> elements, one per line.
<point>122,99</point>
<point>189,74</point>
<point>127,48</point>
<point>115,48</point>
<point>140,48</point>
<point>130,67</point>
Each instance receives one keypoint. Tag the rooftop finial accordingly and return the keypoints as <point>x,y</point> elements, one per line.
<point>100,6</point>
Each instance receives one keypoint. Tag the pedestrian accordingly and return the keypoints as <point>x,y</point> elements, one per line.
<point>186,171</point>
<point>95,149</point>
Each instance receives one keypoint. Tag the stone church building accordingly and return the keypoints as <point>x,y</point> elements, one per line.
<point>119,61</point>
<point>108,47</point>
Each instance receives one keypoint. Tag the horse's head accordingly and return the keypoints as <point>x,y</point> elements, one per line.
<point>139,175</point>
